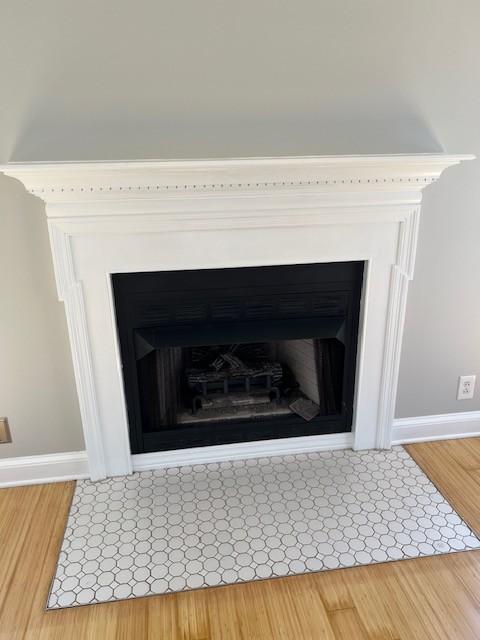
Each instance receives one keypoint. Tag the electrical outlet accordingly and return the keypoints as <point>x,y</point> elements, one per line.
<point>466,387</point>
<point>5,435</point>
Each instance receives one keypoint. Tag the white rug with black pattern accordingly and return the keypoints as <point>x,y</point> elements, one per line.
<point>222,523</point>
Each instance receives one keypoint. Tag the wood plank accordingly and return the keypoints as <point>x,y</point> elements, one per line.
<point>434,591</point>
<point>453,481</point>
<point>375,612</point>
<point>475,475</point>
<point>13,530</point>
<point>333,589</point>
<point>466,452</point>
<point>37,550</point>
<point>347,624</point>
<point>435,598</point>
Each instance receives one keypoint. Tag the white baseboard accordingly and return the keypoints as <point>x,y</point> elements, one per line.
<point>439,427</point>
<point>54,467</point>
<point>241,450</point>
<point>58,467</point>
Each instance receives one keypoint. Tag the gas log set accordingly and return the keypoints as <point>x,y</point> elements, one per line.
<point>242,378</point>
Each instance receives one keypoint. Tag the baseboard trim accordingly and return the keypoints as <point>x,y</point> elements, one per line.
<point>437,427</point>
<point>239,451</point>
<point>60,467</point>
<point>55,467</point>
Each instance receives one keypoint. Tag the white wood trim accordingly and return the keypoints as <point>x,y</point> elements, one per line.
<point>60,467</point>
<point>151,198</point>
<point>447,426</point>
<point>67,181</point>
<point>54,467</point>
<point>241,451</point>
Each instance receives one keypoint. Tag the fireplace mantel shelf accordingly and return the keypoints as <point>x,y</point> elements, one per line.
<point>106,218</point>
<point>56,182</point>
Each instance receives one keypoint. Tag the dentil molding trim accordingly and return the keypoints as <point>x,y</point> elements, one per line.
<point>141,198</point>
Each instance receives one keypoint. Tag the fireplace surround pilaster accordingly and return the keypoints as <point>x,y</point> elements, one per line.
<point>121,217</point>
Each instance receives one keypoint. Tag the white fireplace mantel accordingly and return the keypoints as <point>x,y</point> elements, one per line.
<point>110,217</point>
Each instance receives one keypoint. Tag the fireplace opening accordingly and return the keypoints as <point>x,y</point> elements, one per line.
<point>216,383</point>
<point>230,355</point>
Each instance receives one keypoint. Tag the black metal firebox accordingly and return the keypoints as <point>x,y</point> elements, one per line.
<point>218,356</point>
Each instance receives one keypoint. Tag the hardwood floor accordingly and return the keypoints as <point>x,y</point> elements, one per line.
<point>435,598</point>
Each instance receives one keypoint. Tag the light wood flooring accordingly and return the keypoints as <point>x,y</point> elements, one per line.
<point>435,598</point>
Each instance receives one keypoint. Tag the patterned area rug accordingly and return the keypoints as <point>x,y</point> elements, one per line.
<point>207,525</point>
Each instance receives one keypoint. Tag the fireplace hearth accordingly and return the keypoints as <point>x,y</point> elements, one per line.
<point>217,356</point>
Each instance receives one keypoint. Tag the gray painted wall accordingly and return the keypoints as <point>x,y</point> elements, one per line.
<point>107,80</point>
<point>37,389</point>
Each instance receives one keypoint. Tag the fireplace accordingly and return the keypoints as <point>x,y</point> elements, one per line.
<point>132,243</point>
<point>217,356</point>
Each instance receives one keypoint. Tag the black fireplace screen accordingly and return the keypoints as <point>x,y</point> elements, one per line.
<point>229,355</point>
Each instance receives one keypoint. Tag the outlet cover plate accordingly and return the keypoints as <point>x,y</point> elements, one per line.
<point>466,387</point>
<point>5,435</point>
